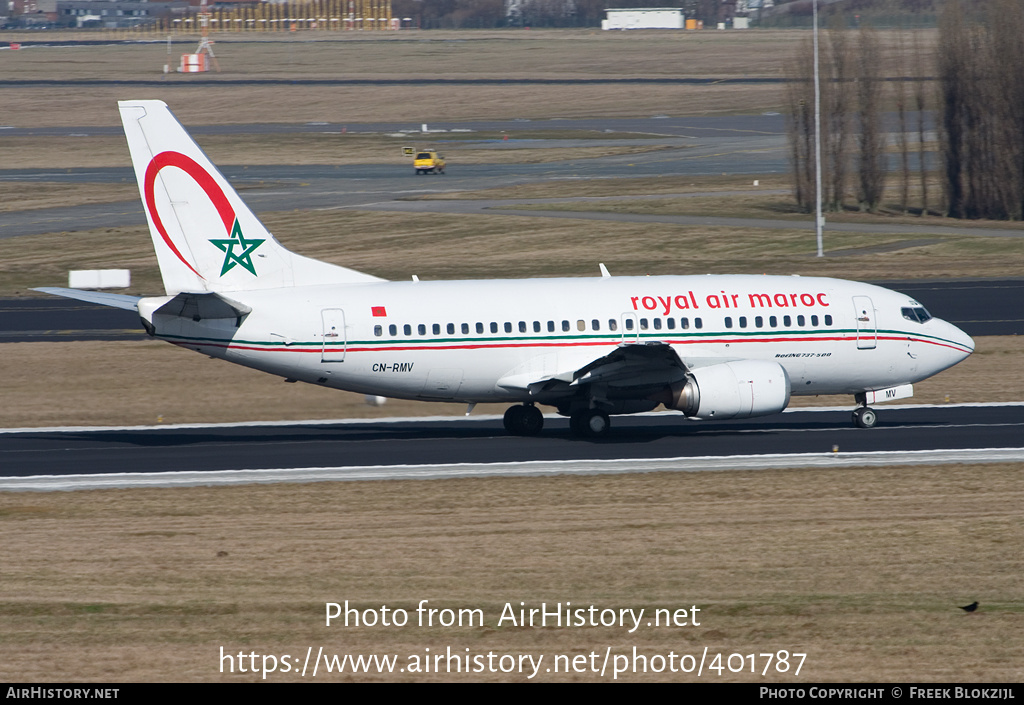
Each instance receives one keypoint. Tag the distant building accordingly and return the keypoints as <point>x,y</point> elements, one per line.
<point>113,13</point>
<point>644,18</point>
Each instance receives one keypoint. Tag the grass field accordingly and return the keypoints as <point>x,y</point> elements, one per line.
<point>546,54</point>
<point>861,569</point>
<point>398,245</point>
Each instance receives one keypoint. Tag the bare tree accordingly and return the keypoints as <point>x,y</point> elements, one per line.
<point>871,140</point>
<point>981,72</point>
<point>902,139</point>
<point>954,56</point>
<point>835,102</point>
<point>921,103</point>
<point>800,126</point>
<point>835,120</point>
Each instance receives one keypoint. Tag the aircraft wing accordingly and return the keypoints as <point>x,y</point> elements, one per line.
<point>129,303</point>
<point>639,366</point>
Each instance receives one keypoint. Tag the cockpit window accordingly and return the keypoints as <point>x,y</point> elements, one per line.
<point>918,314</point>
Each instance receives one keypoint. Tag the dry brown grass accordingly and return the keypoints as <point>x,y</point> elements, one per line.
<point>551,54</point>
<point>50,194</point>
<point>861,569</point>
<point>396,245</point>
<point>402,104</point>
<point>747,201</point>
<point>150,382</point>
<point>616,187</point>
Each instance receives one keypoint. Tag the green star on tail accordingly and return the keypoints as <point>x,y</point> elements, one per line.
<point>228,246</point>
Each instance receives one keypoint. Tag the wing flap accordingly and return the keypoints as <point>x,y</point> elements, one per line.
<point>630,365</point>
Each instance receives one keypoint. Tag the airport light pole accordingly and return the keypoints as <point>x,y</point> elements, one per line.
<point>819,220</point>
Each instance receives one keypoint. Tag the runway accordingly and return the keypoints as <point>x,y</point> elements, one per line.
<point>469,446</point>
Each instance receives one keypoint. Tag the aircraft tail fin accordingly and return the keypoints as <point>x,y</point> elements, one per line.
<point>206,238</point>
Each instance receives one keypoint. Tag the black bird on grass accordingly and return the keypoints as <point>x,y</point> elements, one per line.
<point>971,607</point>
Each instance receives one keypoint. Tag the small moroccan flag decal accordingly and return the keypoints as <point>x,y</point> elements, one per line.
<point>378,311</point>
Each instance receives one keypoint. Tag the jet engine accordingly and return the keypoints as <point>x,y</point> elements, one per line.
<point>732,390</point>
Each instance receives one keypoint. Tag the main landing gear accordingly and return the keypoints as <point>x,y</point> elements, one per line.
<point>590,423</point>
<point>524,420</point>
<point>865,417</point>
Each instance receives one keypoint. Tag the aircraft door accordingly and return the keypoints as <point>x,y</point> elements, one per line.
<point>630,327</point>
<point>334,335</point>
<point>867,331</point>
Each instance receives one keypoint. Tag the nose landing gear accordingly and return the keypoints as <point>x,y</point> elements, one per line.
<point>865,417</point>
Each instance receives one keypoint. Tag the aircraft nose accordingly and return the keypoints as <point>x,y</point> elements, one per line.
<point>960,343</point>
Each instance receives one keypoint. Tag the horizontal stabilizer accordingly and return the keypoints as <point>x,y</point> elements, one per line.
<point>129,303</point>
<point>203,307</point>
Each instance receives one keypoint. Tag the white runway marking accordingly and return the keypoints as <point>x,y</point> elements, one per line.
<point>525,469</point>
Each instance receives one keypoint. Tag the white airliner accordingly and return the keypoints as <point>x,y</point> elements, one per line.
<point>711,347</point>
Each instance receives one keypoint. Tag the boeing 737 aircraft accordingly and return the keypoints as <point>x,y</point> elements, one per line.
<point>711,347</point>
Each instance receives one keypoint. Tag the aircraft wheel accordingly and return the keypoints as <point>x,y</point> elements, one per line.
<point>533,420</point>
<point>592,423</point>
<point>865,417</point>
<point>523,420</point>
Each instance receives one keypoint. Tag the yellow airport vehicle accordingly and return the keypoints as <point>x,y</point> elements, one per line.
<point>428,161</point>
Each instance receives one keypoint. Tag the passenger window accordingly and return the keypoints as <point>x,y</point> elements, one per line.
<point>758,322</point>
<point>551,326</point>
<point>565,325</point>
<point>613,325</point>
<point>494,327</point>
<point>800,321</point>
<point>421,329</point>
<point>657,324</point>
<point>536,326</point>
<point>684,323</point>
<point>522,326</point>
<point>508,327</point>
<point>698,323</point>
<point>451,329</point>
<point>773,321</point>
<point>436,329</point>
<point>643,324</point>
<point>479,327</point>
<point>407,329</point>
<point>787,321</point>
<point>581,325</point>
<point>629,324</point>
<point>728,321</point>
<point>465,329</point>
<point>378,331</point>
<point>814,320</point>
<point>743,321</point>
<point>596,324</point>
<point>828,320</point>
<point>670,323</point>
<point>392,329</point>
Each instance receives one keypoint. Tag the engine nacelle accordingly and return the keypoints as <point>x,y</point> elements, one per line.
<point>732,390</point>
